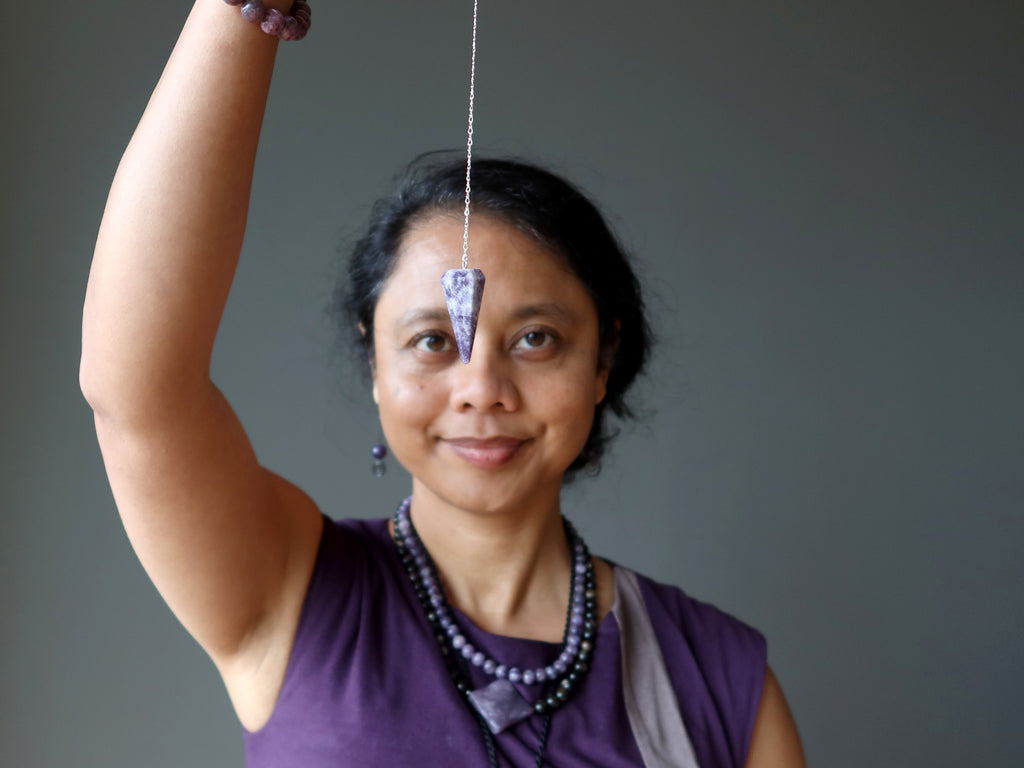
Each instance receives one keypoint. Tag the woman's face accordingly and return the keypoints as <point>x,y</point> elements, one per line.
<point>499,432</point>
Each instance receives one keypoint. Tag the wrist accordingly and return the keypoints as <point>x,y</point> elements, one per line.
<point>284,19</point>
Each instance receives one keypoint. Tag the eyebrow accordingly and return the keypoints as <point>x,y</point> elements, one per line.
<point>548,309</point>
<point>424,315</point>
<point>417,316</point>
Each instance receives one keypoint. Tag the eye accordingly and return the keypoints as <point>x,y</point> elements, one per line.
<point>536,339</point>
<point>432,342</point>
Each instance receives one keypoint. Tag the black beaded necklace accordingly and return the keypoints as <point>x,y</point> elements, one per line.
<point>559,689</point>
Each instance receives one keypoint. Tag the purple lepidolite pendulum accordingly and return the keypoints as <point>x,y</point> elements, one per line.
<point>463,290</point>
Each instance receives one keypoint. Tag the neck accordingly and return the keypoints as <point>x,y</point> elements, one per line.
<point>509,570</point>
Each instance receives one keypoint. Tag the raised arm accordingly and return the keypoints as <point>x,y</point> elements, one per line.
<point>228,544</point>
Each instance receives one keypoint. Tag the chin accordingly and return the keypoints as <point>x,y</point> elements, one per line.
<point>492,494</point>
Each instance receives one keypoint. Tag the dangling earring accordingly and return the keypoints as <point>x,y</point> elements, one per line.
<point>379,467</point>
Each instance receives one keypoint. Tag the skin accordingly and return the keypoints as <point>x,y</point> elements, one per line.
<point>775,742</point>
<point>229,544</point>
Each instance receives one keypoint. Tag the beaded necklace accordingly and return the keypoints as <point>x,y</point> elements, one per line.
<point>499,704</point>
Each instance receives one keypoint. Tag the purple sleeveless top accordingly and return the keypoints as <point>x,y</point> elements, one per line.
<point>366,685</point>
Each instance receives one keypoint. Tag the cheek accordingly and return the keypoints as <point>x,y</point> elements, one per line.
<point>407,402</point>
<point>569,403</point>
<point>394,387</point>
<point>581,387</point>
<point>408,411</point>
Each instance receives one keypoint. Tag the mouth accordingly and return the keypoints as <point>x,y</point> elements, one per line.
<point>486,453</point>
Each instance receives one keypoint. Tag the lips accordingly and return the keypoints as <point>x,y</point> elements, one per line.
<point>486,453</point>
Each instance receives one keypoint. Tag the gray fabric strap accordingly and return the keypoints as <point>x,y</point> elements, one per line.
<point>651,704</point>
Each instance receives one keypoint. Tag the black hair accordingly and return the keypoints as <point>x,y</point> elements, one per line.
<point>545,207</point>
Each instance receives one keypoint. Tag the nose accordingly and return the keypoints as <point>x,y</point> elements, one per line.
<point>484,384</point>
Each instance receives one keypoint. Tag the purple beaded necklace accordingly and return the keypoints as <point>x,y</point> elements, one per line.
<point>499,705</point>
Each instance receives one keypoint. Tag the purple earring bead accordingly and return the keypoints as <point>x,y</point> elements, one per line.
<point>463,290</point>
<point>379,467</point>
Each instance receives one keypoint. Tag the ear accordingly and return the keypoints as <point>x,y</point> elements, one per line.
<point>602,384</point>
<point>373,369</point>
<point>605,360</point>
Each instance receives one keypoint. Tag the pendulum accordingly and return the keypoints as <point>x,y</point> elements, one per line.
<point>464,288</point>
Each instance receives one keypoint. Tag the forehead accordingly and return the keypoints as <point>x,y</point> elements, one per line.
<point>519,270</point>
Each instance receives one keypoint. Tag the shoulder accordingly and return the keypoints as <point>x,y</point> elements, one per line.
<point>353,533</point>
<point>349,549</point>
<point>775,742</point>
<point>713,634</point>
<point>717,663</point>
<point>351,557</point>
<point>354,586</point>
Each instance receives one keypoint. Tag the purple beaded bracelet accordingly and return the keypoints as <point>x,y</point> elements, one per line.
<point>287,26</point>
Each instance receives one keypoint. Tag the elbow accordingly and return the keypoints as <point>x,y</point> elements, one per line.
<point>137,392</point>
<point>88,384</point>
<point>94,381</point>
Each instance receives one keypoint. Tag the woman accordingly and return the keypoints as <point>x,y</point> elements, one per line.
<point>474,628</point>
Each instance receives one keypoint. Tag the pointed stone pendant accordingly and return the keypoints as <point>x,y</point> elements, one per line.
<point>463,289</point>
<point>500,705</point>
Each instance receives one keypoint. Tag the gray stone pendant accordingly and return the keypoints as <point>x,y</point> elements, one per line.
<point>500,705</point>
<point>463,290</point>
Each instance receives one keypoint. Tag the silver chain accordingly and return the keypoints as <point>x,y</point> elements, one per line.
<point>469,142</point>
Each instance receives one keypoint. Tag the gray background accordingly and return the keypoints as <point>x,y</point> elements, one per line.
<point>826,205</point>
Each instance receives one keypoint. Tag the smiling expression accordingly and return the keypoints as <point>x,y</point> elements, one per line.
<point>499,432</point>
